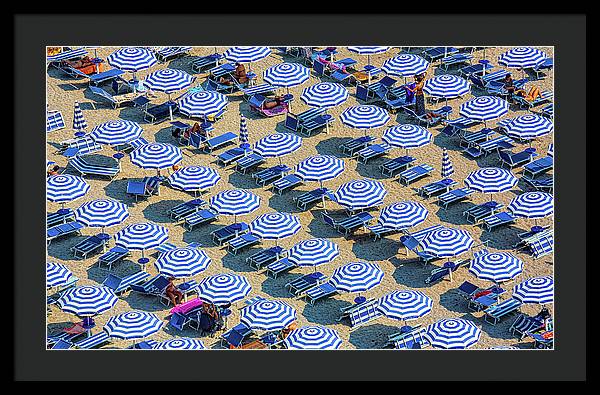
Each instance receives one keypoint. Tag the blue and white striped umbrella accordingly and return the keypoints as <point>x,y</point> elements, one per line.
<point>277,144</point>
<point>453,333</point>
<point>286,74</point>
<point>447,168</point>
<point>57,274</point>
<point>364,50</point>
<point>529,126</point>
<point>405,65</point>
<point>168,80</point>
<point>532,205</point>
<point>358,194</point>
<point>365,116</point>
<point>224,288</point>
<point>101,213</point>
<point>551,150</point>
<point>141,236</point>
<point>357,277</point>
<point>116,132</point>
<point>324,94</point>
<point>194,178</point>
<point>182,262</point>
<point>246,54</point>
<point>538,290</point>
<point>402,215</point>
<point>268,315</point>
<point>484,108</point>
<point>491,180</point>
<point>522,57</point>
<point>87,301</point>
<point>447,86</point>
<point>407,136</point>
<point>202,104</point>
<point>496,266</point>
<point>156,156</point>
<point>132,59</point>
<point>313,252</point>
<point>243,138</point>
<point>275,225</point>
<point>133,325</point>
<point>447,242</point>
<point>69,54</point>
<point>235,202</point>
<point>313,337</point>
<point>65,188</point>
<point>180,343</point>
<point>79,123</point>
<point>405,305</point>
<point>320,168</point>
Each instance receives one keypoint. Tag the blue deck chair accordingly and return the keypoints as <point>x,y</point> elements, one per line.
<point>469,139</point>
<point>317,123</point>
<point>424,119</point>
<point>496,220</point>
<point>278,267</point>
<point>241,242</point>
<point>219,141</point>
<point>94,341</point>
<point>434,53</point>
<point>293,122</point>
<point>205,62</point>
<point>84,168</point>
<point>257,104</point>
<point>120,285</point>
<point>234,337</point>
<point>228,232</point>
<point>231,155</point>
<point>455,59</point>
<point>379,231</point>
<point>199,217</point>
<point>455,126</point>
<point>318,292</point>
<point>401,163</point>
<point>496,312</point>
<point>266,256</point>
<point>515,160</point>
<point>546,96</point>
<point>266,176</point>
<point>485,148</point>
<point>441,273</point>
<point>249,162</point>
<point>186,208</point>
<point>412,340</point>
<point>525,323</point>
<point>475,69</point>
<point>351,146</point>
<point>167,53</point>
<point>54,121</point>
<point>454,196</point>
<point>364,314</point>
<point>149,186</point>
<point>481,81</point>
<point>262,89</point>
<point>375,92</point>
<point>115,100</point>
<point>538,166</point>
<point>372,151</point>
<point>112,256</point>
<point>286,183</point>
<point>70,228</point>
<point>351,224</point>
<point>540,184</point>
<point>314,196</point>
<point>300,284</point>
<point>135,144</point>
<point>436,187</point>
<point>59,217</point>
<point>398,99</point>
<point>542,246</point>
<point>479,211</point>
<point>414,173</point>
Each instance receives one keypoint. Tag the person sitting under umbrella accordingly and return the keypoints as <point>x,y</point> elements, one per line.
<point>533,93</point>
<point>174,295</point>
<point>239,74</point>
<point>54,170</point>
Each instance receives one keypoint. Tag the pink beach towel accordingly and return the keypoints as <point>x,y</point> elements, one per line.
<point>187,306</point>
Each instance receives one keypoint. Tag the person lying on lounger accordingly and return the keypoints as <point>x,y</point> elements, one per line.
<point>174,295</point>
<point>79,64</point>
<point>286,331</point>
<point>54,170</point>
<point>239,74</point>
<point>533,93</point>
<point>272,103</point>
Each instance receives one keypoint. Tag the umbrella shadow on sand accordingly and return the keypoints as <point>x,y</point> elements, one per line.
<point>410,271</point>
<point>158,211</point>
<point>143,302</point>
<point>285,203</point>
<point>242,181</point>
<point>117,189</point>
<point>201,234</point>
<point>371,169</point>
<point>164,136</point>
<point>237,263</point>
<point>318,229</point>
<point>452,301</point>
<point>324,312</point>
<point>331,146</point>
<point>275,287</point>
<point>363,338</point>
<point>371,250</point>
<point>502,238</point>
<point>453,214</point>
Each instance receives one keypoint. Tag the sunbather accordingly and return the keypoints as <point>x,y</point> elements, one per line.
<point>174,295</point>
<point>286,331</point>
<point>274,102</point>
<point>534,93</point>
<point>417,90</point>
<point>239,74</point>
<point>54,170</point>
<point>81,63</point>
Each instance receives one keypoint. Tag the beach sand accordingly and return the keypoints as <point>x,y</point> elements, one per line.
<point>401,272</point>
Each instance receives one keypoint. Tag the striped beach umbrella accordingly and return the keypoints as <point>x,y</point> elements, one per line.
<point>313,337</point>
<point>57,274</point>
<point>496,266</point>
<point>65,188</point>
<point>529,127</point>
<point>320,168</point>
<point>364,116</point>
<point>79,123</point>
<point>503,348</point>
<point>268,315</point>
<point>286,74</point>
<point>359,194</point>
<point>313,252</point>
<point>235,202</point>
<point>447,86</point>
<point>407,136</point>
<point>447,242</point>
<point>275,225</point>
<point>243,137</point>
<point>405,305</point>
<point>88,300</point>
<point>132,59</point>
<point>182,262</point>
<point>405,65</point>
<point>277,145</point>
<point>324,94</point>
<point>491,180</point>
<point>357,277</point>
<point>202,104</point>
<point>156,156</point>
<point>194,178</point>
<point>246,54</point>
<point>551,150</point>
<point>180,343</point>
<point>522,57</point>
<point>141,236</point>
<point>224,288</point>
<point>447,168</point>
<point>453,333</point>
<point>168,80</point>
<point>403,215</point>
<point>363,50</point>
<point>133,325</point>
<point>532,205</point>
<point>116,132</point>
<point>484,108</point>
<point>101,213</point>
<point>538,290</point>
<point>65,55</point>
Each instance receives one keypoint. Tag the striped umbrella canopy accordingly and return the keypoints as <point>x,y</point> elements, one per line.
<point>324,94</point>
<point>532,205</point>
<point>484,108</point>
<point>243,137</point>
<point>141,236</point>
<point>358,194</point>
<point>407,136</point>
<point>402,215</point>
<point>357,277</point>
<point>156,156</point>
<point>79,123</point>
<point>453,333</point>
<point>133,325</point>
<point>538,290</point>
<point>168,80</point>
<point>182,262</point>
<point>320,168</point>
<point>246,54</point>
<point>313,252</point>
<point>491,180</point>
<point>405,305</point>
<point>69,54</point>
<point>277,145</point>
<point>268,315</point>
<point>363,50</point>
<point>447,168</point>
<point>496,266</point>
<point>180,343</point>
<point>522,57</point>
<point>275,225</point>
<point>447,242</point>
<point>194,178</point>
<point>57,274</point>
<point>65,188</point>
<point>447,86</point>
<point>529,126</point>
<point>116,132</point>
<point>101,213</point>
<point>286,74</point>
<point>551,150</point>
<point>235,202</point>
<point>202,104</point>
<point>313,337</point>
<point>224,288</point>
<point>132,59</point>
<point>405,65</point>
<point>503,348</point>
<point>87,301</point>
<point>364,116</point>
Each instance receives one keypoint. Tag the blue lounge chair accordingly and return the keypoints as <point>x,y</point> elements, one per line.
<point>351,146</point>
<point>257,104</point>
<point>441,273</point>
<point>380,231</point>
<point>200,217</point>
<point>475,69</point>
<point>205,62</point>
<point>160,112</point>
<point>436,187</point>
<point>168,53</point>
<point>477,212</point>
<point>401,163</point>
<point>120,285</point>
<point>147,187</point>
<point>88,245</point>
<point>469,139</point>
<point>266,256</point>
<point>266,176</point>
<point>541,184</point>
<point>412,339</point>
<point>226,233</point>
<point>485,148</point>
<point>95,341</point>
<point>546,96</point>
<point>481,81</point>
<point>262,89</point>
<point>286,183</point>
<point>248,162</point>
<point>115,100</point>
<point>373,151</point>
<point>434,53</point>
<point>294,122</point>
<point>300,284</point>
<point>364,314</point>
<point>319,292</point>
<point>234,337</point>
<point>540,69</point>
<point>542,246</point>
<point>312,197</point>
<point>493,221</point>
<point>426,119</point>
<point>454,196</point>
<point>231,155</point>
<point>455,59</point>
<point>84,168</point>
<point>113,256</point>
<point>455,126</point>
<point>219,141</point>
<point>538,166</point>
<point>54,121</point>
<point>241,242</point>
<point>515,160</point>
<point>398,99</point>
<point>59,217</point>
<point>351,224</point>
<point>317,123</point>
<point>278,267</point>
<point>375,92</point>
<point>414,173</point>
<point>186,208</point>
<point>496,312</point>
<point>69,228</point>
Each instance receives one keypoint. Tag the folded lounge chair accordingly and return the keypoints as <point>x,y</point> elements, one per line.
<point>95,341</point>
<point>167,53</point>
<point>262,89</point>
<point>414,173</point>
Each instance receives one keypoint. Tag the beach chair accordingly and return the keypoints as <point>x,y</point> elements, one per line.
<point>436,187</point>
<point>378,231</point>
<point>309,198</point>
<point>372,151</point>
<point>241,242</point>
<point>231,155</point>
<point>364,314</point>
<point>234,337</point>
<point>515,160</point>
<point>265,89</point>
<point>471,138</point>
<point>59,217</point>
<point>167,53</point>
<point>87,246</point>
<point>266,176</point>
<point>499,219</point>
<point>522,102</point>
<point>475,69</point>
<point>84,168</point>
<point>411,339</point>
<point>155,286</point>
<point>319,292</point>
<point>65,229</point>
<point>160,112</point>
<point>300,284</point>
<point>435,53</point>
<point>401,163</point>
<point>481,81</point>
<point>538,166</point>
<point>477,212</point>
<point>186,208</point>
<point>398,99</point>
<point>455,126</point>
<point>351,146</point>
<point>257,104</point>
<point>454,196</point>
<point>112,256</point>
<point>455,59</point>
<point>249,162</point>
<point>351,224</point>
<point>95,341</point>
<point>525,323</point>
<point>278,267</point>
<point>143,189</point>
<point>495,313</point>
<point>135,144</point>
<point>54,121</point>
<point>228,232</point>
<point>293,121</point>
<point>547,111</point>
<point>485,148</point>
<point>443,113</point>
<point>219,141</point>
<point>115,100</point>
<point>542,246</point>
<point>317,123</point>
<point>445,272</point>
<point>265,257</point>
<point>364,76</point>
<point>543,184</point>
<point>204,63</point>
<point>199,217</point>
<point>414,173</point>
<point>412,243</point>
<point>375,92</point>
<point>542,68</point>
<point>286,183</point>
<point>120,285</point>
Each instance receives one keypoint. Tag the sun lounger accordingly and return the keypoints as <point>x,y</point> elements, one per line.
<point>412,339</point>
<point>231,155</point>
<point>487,147</point>
<point>351,146</point>
<point>542,246</point>
<point>115,100</point>
<point>54,121</point>
<point>547,111</point>
<point>372,151</point>
<point>135,144</point>
<point>186,208</point>
<point>546,96</point>
<point>538,166</point>
<point>471,138</point>
<point>248,162</point>
<point>95,341</point>
<point>311,125</point>
<point>155,286</point>
<point>496,312</point>
<point>205,62</point>
<point>481,81</point>
<point>69,228</point>
<point>219,141</point>
<point>364,314</point>
<point>436,187</point>
<point>147,187</point>
<point>265,257</point>
<point>441,273</point>
<point>167,53</point>
<point>457,125</point>
<point>414,173</point>
<point>85,247</point>
<point>477,212</point>
<point>262,89</point>
<point>200,217</point>
<point>120,285</point>
<point>379,231</point>
<point>300,284</point>
<point>495,220</point>
<point>241,242</point>
<point>234,337</point>
<point>412,243</point>
<point>515,160</point>
<point>397,99</point>
<point>536,233</point>
<point>159,113</point>
<point>293,122</point>
<point>319,292</point>
<point>113,256</point>
<point>286,183</point>
<point>392,166</point>
<point>454,196</point>
<point>266,176</point>
<point>278,267</point>
<point>543,184</point>
<point>84,168</point>
<point>443,113</point>
<point>455,59</point>
<point>375,92</point>
<point>542,67</point>
<point>351,224</point>
<point>525,323</point>
<point>434,53</point>
<point>312,197</point>
<point>257,104</point>
<point>59,217</point>
<point>226,233</point>
<point>475,69</point>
